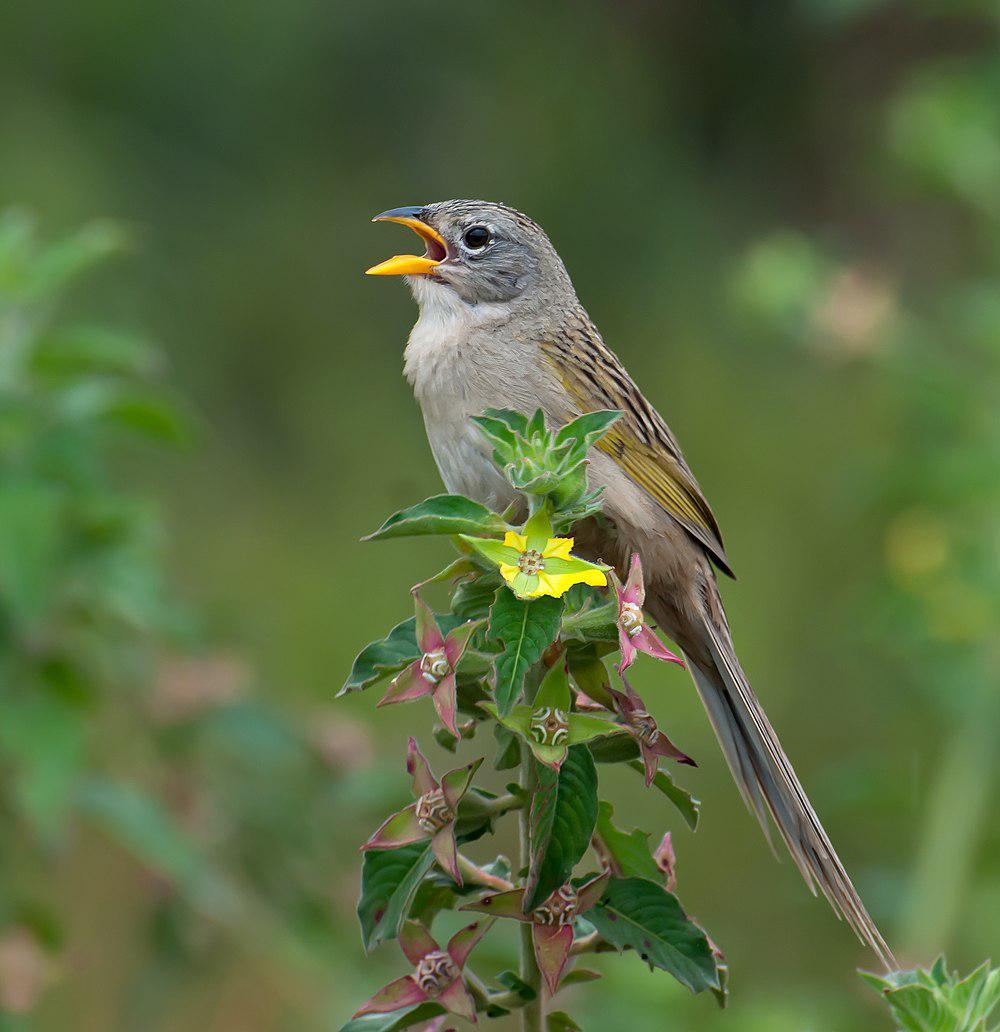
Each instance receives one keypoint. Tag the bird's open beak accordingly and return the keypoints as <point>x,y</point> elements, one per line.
<point>410,264</point>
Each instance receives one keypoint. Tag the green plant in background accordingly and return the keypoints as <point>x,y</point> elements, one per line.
<point>81,598</point>
<point>937,1000</point>
<point>93,653</point>
<point>522,648</point>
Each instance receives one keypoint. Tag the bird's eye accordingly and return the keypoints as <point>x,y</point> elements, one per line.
<point>476,238</point>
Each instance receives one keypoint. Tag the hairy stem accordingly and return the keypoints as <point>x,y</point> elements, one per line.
<point>533,1013</point>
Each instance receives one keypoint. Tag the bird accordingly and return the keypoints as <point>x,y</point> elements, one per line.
<point>500,326</point>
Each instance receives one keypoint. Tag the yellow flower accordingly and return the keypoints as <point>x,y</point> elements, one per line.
<point>534,563</point>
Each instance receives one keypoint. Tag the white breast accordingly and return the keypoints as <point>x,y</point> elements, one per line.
<point>453,379</point>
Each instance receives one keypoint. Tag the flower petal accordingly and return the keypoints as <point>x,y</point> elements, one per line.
<point>526,585</point>
<point>590,892</point>
<point>501,904</point>
<point>635,589</point>
<point>458,1000</point>
<point>666,860</point>
<point>650,762</point>
<point>429,636</point>
<point>446,701</point>
<point>419,769</point>
<point>457,641</point>
<point>514,540</point>
<point>628,650</point>
<point>407,685</point>
<point>399,830</point>
<point>446,852</point>
<point>416,942</point>
<point>646,641</point>
<point>465,940</point>
<point>558,548</point>
<point>552,945</point>
<point>664,747</point>
<point>404,992</point>
<point>456,782</point>
<point>583,727</point>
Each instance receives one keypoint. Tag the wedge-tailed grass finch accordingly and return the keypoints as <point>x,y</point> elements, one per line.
<point>500,326</point>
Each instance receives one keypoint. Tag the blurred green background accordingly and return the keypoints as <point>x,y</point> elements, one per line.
<point>784,216</point>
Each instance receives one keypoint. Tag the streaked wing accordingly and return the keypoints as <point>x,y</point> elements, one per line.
<point>640,442</point>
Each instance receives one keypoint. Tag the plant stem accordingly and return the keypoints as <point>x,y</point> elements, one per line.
<point>474,873</point>
<point>533,1013</point>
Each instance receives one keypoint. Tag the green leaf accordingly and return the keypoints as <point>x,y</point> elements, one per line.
<point>141,824</point>
<point>563,816</point>
<point>512,981</point>
<point>640,914</point>
<point>79,350</point>
<point>578,976</point>
<point>472,599</point>
<point>42,739</point>
<point>390,654</point>
<point>526,628</point>
<point>588,428</point>
<point>621,748</point>
<point>508,753</point>
<point>31,532</point>
<point>408,1017</point>
<point>593,623</point>
<point>689,806</point>
<point>560,1021</point>
<point>442,514</point>
<point>629,852</point>
<point>389,881</point>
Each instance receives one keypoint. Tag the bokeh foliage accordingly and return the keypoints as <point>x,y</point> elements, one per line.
<point>783,217</point>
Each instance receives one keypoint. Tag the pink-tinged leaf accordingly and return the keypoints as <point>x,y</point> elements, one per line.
<point>419,769</point>
<point>650,762</point>
<point>456,999</point>
<point>551,755</point>
<point>406,686</point>
<point>628,651</point>
<point>666,860</point>
<point>429,637</point>
<point>456,782</point>
<point>552,946</point>
<point>635,589</point>
<point>465,940</point>
<point>664,747</point>
<point>646,641</point>
<point>583,727</point>
<point>399,830</point>
<point>501,904</point>
<point>404,992</point>
<point>456,642</point>
<point>446,852</point>
<point>590,892</point>
<point>416,942</point>
<point>518,720</point>
<point>446,702</point>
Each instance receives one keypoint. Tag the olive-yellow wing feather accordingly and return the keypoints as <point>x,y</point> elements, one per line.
<point>640,442</point>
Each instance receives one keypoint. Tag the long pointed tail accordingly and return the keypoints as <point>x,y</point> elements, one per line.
<point>766,779</point>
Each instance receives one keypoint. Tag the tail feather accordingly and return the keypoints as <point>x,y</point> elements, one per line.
<point>769,785</point>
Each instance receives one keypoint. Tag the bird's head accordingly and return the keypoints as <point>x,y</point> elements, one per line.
<point>484,252</point>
